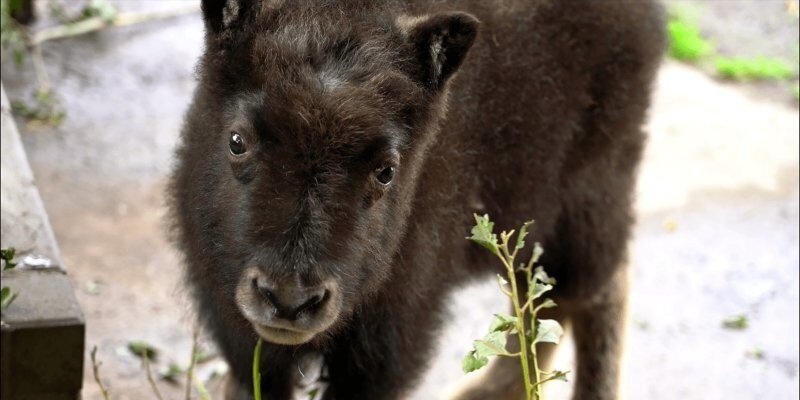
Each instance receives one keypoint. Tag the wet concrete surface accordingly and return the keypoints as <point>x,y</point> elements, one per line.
<point>717,229</point>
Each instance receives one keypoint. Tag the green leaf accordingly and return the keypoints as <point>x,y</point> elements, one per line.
<point>735,322</point>
<point>472,362</point>
<point>312,394</point>
<point>502,281</point>
<point>537,252</point>
<point>100,8</point>
<point>755,352</point>
<point>547,303</point>
<point>492,344</point>
<point>92,287</point>
<point>142,349</point>
<point>202,355</point>
<point>548,331</point>
<point>6,297</point>
<point>538,289</point>
<point>523,231</point>
<point>172,372</point>
<point>540,276</point>
<point>482,233</point>
<point>43,96</point>
<point>42,112</point>
<point>19,56</point>
<point>502,323</point>
<point>7,256</point>
<point>557,376</point>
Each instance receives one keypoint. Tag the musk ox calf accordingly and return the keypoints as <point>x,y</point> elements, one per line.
<point>335,151</point>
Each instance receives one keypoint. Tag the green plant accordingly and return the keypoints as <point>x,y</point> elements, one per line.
<point>171,373</point>
<point>742,68</point>
<point>685,41</point>
<point>96,372</point>
<point>256,370</point>
<point>530,330</point>
<point>12,34</point>
<point>44,110</point>
<point>149,373</point>
<point>198,355</point>
<point>6,295</point>
<point>146,352</point>
<point>735,322</point>
<point>7,255</point>
<point>142,349</point>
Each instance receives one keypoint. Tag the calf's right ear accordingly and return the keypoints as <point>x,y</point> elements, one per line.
<point>223,15</point>
<point>440,42</point>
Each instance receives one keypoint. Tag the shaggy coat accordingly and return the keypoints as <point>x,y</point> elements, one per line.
<point>335,151</point>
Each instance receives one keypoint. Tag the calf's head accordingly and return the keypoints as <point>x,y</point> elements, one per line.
<point>311,129</point>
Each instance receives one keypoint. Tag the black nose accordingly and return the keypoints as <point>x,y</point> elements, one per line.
<point>291,300</point>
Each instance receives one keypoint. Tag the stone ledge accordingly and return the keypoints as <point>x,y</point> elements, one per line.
<point>42,337</point>
<point>24,224</point>
<point>43,330</point>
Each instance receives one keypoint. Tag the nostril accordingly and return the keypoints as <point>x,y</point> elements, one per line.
<point>315,301</point>
<point>266,293</point>
<point>312,303</point>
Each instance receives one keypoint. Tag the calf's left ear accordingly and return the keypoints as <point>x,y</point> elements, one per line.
<point>440,43</point>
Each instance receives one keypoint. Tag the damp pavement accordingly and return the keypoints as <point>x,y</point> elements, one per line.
<point>717,231</point>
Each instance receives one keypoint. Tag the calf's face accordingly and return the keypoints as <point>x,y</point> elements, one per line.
<point>318,128</point>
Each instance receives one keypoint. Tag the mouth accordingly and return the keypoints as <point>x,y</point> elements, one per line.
<point>282,335</point>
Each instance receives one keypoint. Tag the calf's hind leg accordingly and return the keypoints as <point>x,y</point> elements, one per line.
<point>598,329</point>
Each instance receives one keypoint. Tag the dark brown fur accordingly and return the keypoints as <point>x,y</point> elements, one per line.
<point>542,119</point>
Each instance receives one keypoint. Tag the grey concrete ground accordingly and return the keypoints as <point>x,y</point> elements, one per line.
<point>717,229</point>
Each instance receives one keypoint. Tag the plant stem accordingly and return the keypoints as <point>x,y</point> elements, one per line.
<point>256,372</point>
<point>96,373</point>
<point>192,361</point>
<point>534,310</point>
<point>146,361</point>
<point>537,387</point>
<point>202,393</point>
<point>520,324</point>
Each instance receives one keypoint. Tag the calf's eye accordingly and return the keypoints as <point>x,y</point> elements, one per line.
<point>385,176</point>
<point>236,144</point>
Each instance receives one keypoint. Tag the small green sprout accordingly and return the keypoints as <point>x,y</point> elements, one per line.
<point>6,295</point>
<point>735,322</point>
<point>756,353</point>
<point>7,256</point>
<point>142,349</point>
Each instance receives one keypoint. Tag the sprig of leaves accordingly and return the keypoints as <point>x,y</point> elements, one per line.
<point>529,330</point>
<point>12,34</point>
<point>96,372</point>
<point>7,296</point>
<point>7,255</point>
<point>44,110</point>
